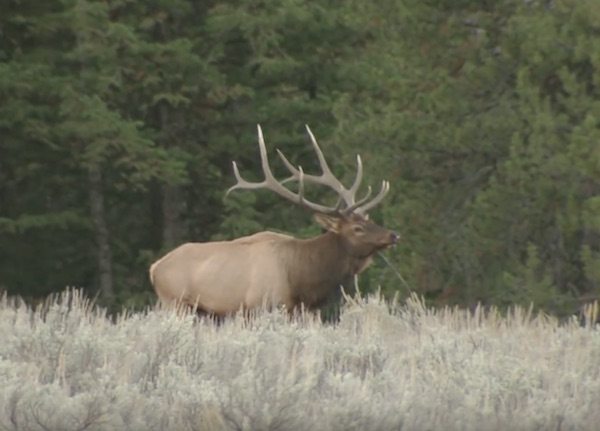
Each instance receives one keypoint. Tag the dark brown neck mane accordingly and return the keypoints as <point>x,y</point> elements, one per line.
<point>319,266</point>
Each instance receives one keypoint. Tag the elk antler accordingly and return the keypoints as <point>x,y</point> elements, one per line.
<point>346,196</point>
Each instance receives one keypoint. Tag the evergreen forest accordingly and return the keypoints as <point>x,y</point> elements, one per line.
<point>119,120</point>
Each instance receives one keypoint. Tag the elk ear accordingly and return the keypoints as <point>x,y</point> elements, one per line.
<point>330,223</point>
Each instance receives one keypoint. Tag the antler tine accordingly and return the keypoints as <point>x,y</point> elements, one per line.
<point>358,178</point>
<point>347,196</point>
<point>322,162</point>
<point>301,185</point>
<point>241,182</point>
<point>271,183</point>
<point>295,172</point>
<point>385,188</point>
<point>323,179</point>
<point>360,202</point>
<point>327,178</point>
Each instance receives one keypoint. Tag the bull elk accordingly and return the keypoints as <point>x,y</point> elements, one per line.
<point>270,268</point>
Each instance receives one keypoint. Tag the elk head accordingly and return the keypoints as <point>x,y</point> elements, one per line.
<point>348,219</point>
<point>362,236</point>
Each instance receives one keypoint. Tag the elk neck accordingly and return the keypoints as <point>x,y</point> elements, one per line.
<point>318,266</point>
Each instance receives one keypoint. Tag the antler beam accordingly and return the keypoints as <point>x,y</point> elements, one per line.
<point>347,196</point>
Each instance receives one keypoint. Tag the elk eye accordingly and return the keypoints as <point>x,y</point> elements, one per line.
<point>358,229</point>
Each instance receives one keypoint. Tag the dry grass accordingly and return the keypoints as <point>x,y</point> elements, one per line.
<point>383,367</point>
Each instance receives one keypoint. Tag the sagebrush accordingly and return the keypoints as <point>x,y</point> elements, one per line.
<point>383,366</point>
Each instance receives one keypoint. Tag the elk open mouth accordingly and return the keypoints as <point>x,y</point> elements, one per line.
<point>391,241</point>
<point>387,245</point>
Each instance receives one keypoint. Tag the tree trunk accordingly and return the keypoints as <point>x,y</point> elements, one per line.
<point>171,234</point>
<point>104,255</point>
<point>171,195</point>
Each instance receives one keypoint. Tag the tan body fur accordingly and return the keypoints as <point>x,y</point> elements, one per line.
<point>222,277</point>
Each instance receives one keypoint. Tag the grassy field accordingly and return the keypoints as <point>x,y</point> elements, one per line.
<point>382,367</point>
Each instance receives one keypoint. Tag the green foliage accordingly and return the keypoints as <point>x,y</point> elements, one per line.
<point>240,217</point>
<point>530,283</point>
<point>26,222</point>
<point>484,138</point>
